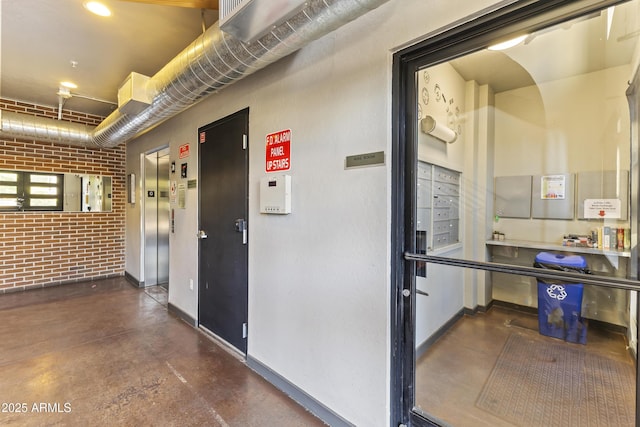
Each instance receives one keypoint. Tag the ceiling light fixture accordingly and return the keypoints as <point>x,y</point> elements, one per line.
<point>507,44</point>
<point>69,85</point>
<point>610,12</point>
<point>97,8</point>
<point>64,92</point>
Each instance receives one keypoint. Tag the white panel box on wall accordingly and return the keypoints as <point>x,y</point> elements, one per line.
<point>275,194</point>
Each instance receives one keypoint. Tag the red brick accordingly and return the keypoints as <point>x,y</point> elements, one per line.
<point>39,248</point>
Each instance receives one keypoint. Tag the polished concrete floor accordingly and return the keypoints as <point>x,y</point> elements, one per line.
<point>451,375</point>
<point>104,353</point>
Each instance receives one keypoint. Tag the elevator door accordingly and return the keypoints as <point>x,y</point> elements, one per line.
<point>156,218</point>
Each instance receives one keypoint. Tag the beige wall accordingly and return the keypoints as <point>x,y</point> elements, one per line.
<point>319,278</point>
<point>571,125</point>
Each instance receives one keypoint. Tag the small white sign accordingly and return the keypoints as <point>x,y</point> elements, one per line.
<point>553,187</point>
<point>182,196</point>
<point>601,208</point>
<point>173,192</point>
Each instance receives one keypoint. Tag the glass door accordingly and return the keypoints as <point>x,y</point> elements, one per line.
<point>516,225</point>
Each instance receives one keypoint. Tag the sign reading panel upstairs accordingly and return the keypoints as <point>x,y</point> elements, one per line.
<point>278,151</point>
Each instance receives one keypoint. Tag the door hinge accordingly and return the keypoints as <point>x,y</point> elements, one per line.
<point>244,142</point>
<point>244,330</point>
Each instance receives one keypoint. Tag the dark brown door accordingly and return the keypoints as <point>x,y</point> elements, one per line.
<point>223,232</point>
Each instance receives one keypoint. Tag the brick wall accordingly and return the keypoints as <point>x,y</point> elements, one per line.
<point>47,248</point>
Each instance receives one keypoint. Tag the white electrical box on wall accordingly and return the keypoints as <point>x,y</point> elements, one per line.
<point>275,194</point>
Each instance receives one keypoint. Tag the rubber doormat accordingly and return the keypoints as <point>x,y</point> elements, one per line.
<point>538,382</point>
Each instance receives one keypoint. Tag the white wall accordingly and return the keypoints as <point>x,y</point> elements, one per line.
<point>443,302</point>
<point>319,279</point>
<point>571,125</point>
<point>447,106</point>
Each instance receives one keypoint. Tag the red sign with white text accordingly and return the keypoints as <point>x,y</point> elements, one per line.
<point>184,151</point>
<point>278,151</point>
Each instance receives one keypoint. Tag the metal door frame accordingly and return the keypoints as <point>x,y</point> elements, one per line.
<point>164,150</point>
<point>459,38</point>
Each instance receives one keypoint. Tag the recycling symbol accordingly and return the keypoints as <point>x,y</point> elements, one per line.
<point>557,292</point>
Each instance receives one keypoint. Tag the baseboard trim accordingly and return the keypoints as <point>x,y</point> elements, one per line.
<point>182,315</point>
<point>58,283</point>
<point>471,311</point>
<point>485,308</point>
<point>422,348</point>
<point>135,282</point>
<point>298,395</point>
<point>515,307</point>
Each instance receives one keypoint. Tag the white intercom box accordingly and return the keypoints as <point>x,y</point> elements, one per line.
<point>275,194</point>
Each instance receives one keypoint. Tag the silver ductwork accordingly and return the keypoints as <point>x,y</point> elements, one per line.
<point>213,61</point>
<point>19,125</point>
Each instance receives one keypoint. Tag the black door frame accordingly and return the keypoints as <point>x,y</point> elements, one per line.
<point>460,38</point>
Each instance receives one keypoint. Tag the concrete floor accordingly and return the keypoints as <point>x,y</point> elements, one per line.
<point>460,362</point>
<point>106,353</point>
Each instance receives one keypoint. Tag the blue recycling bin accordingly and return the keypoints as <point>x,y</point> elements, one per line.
<point>560,304</point>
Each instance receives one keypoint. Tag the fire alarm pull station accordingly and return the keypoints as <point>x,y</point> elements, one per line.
<point>275,194</point>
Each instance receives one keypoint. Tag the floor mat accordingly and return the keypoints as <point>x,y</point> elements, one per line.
<point>538,381</point>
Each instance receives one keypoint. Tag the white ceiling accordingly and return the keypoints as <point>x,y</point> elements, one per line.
<point>39,39</point>
<point>572,48</point>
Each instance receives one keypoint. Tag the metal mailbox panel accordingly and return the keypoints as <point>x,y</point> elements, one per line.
<point>424,171</point>
<point>440,214</point>
<point>454,231</point>
<point>424,219</point>
<point>445,188</point>
<point>449,202</point>
<point>423,192</point>
<point>446,175</point>
<point>440,240</point>
<point>438,205</point>
<point>440,227</point>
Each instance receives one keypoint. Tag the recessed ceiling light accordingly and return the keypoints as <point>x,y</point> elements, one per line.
<point>97,8</point>
<point>69,85</point>
<point>507,44</point>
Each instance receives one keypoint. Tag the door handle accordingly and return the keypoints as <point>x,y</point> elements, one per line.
<point>241,227</point>
<point>407,293</point>
<point>202,234</point>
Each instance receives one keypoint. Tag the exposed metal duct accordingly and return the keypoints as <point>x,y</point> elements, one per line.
<point>19,125</point>
<point>213,61</point>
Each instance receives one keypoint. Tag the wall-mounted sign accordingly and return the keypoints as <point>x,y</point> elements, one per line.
<point>602,208</point>
<point>184,151</point>
<point>553,187</point>
<point>203,137</point>
<point>182,196</point>
<point>278,151</point>
<point>173,192</point>
<point>366,159</point>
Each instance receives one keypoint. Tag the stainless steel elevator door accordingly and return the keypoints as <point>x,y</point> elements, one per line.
<point>156,218</point>
<point>163,218</point>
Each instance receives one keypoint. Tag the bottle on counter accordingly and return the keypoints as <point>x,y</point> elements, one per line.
<point>620,238</point>
<point>627,238</point>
